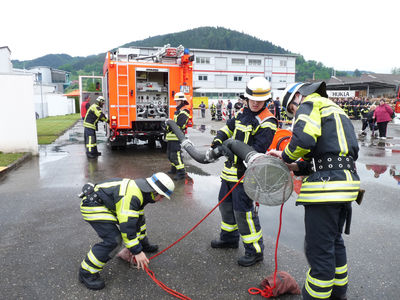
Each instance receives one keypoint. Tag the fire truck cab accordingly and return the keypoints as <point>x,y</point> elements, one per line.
<point>139,89</point>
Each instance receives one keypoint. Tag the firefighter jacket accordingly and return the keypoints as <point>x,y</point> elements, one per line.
<point>121,202</point>
<point>323,129</point>
<point>93,115</point>
<point>364,111</point>
<point>181,118</point>
<point>254,129</point>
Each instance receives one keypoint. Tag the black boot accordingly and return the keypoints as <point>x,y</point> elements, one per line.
<point>91,281</point>
<point>98,153</point>
<point>91,155</point>
<point>150,248</point>
<point>172,171</point>
<point>250,259</point>
<point>180,174</point>
<point>222,244</point>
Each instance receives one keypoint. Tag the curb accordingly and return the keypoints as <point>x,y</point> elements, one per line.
<point>16,163</point>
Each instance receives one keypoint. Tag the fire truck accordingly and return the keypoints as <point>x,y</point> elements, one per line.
<point>139,89</point>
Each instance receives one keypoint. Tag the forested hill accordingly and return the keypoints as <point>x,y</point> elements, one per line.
<point>202,38</point>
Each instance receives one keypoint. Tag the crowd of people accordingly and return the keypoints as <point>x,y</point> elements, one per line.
<point>375,114</point>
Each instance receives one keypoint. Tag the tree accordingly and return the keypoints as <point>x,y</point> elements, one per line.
<point>395,71</point>
<point>357,73</point>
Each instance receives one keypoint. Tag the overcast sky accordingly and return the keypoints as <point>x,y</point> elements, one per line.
<point>343,34</point>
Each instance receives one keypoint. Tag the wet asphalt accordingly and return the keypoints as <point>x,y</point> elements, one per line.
<point>43,237</point>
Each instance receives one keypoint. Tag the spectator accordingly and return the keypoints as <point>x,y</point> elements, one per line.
<point>277,104</point>
<point>383,114</point>
<point>229,108</point>
<point>203,109</point>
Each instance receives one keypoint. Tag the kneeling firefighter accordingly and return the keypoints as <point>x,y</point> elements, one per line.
<point>93,115</point>
<point>181,118</point>
<point>119,202</point>
<point>324,137</point>
<point>254,125</point>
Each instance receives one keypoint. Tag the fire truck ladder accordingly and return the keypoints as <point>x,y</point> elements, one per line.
<point>123,94</point>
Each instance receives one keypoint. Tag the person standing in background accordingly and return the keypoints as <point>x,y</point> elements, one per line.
<point>383,115</point>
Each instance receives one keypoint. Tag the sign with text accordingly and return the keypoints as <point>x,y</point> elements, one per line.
<point>341,94</point>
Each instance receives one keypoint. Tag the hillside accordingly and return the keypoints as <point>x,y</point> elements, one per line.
<point>202,38</point>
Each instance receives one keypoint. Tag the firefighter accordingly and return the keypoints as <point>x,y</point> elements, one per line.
<point>93,115</point>
<point>181,118</point>
<point>213,111</point>
<point>254,125</point>
<point>324,137</point>
<point>119,201</point>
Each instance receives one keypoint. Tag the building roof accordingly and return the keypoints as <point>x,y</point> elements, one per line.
<point>373,81</point>
<point>5,47</point>
<point>242,52</point>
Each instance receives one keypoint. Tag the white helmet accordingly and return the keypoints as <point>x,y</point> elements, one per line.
<point>180,97</point>
<point>100,99</point>
<point>162,184</point>
<point>304,89</point>
<point>288,96</point>
<point>258,89</point>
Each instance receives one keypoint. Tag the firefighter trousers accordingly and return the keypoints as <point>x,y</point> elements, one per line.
<point>325,251</point>
<point>102,252</point>
<point>238,218</point>
<point>90,141</point>
<point>175,156</point>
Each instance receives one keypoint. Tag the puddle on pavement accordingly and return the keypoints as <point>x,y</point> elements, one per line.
<point>388,175</point>
<point>51,153</point>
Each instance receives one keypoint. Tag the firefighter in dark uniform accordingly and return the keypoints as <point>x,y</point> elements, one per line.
<point>93,115</point>
<point>119,202</point>
<point>181,118</point>
<point>254,125</point>
<point>213,110</point>
<point>324,137</point>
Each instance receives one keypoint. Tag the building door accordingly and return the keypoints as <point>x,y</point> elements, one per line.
<point>220,81</point>
<point>220,63</point>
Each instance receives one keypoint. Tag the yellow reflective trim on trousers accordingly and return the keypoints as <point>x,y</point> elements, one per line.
<point>252,238</point>
<point>180,164</point>
<point>344,149</point>
<point>99,217</point>
<point>341,270</point>
<point>89,125</point>
<point>228,227</point>
<point>88,268</point>
<point>318,295</point>
<point>330,185</point>
<point>94,260</point>
<point>327,197</point>
<point>319,282</point>
<point>90,145</point>
<point>341,282</point>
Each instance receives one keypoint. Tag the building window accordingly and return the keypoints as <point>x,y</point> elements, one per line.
<point>203,77</point>
<point>237,78</point>
<point>202,60</point>
<point>254,62</point>
<point>283,63</point>
<point>238,61</point>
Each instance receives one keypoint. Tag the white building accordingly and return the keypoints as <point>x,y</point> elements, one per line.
<point>223,74</point>
<point>17,120</point>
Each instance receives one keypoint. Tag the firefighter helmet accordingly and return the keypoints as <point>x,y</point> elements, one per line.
<point>258,89</point>
<point>304,89</point>
<point>162,184</point>
<point>180,97</point>
<point>100,99</point>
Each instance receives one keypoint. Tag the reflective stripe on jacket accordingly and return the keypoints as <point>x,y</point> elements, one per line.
<point>93,115</point>
<point>256,130</point>
<point>322,128</point>
<point>123,204</point>
<point>181,118</point>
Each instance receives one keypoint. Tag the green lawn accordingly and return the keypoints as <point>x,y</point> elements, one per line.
<point>8,158</point>
<point>50,128</point>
